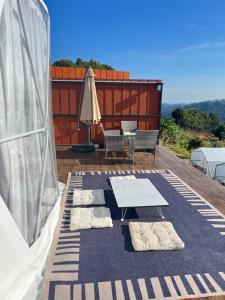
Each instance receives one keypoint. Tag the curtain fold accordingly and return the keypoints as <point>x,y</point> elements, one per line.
<point>28,182</point>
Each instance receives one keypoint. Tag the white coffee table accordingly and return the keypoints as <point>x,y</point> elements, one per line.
<point>137,193</point>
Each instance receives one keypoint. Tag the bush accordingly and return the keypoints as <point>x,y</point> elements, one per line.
<point>195,119</point>
<point>80,63</point>
<point>220,132</point>
<point>168,131</point>
<point>194,143</point>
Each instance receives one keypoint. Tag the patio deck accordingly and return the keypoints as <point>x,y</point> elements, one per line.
<point>207,188</point>
<point>67,161</point>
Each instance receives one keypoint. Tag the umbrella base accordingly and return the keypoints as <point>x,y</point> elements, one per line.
<point>83,148</point>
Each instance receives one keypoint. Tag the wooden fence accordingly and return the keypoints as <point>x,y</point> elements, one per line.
<point>78,73</point>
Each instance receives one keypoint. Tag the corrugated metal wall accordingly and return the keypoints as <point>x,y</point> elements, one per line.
<point>125,100</point>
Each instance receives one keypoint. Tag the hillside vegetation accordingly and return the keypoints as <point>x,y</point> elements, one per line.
<point>214,106</point>
<point>191,129</point>
<point>80,63</point>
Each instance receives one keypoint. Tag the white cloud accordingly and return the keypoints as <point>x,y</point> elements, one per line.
<point>205,50</point>
<point>199,50</point>
<point>205,45</point>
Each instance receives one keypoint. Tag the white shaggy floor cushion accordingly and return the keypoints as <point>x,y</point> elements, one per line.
<point>88,197</point>
<point>122,177</point>
<point>154,236</point>
<point>93,217</point>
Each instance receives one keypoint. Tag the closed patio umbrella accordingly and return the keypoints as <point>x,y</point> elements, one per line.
<point>90,113</point>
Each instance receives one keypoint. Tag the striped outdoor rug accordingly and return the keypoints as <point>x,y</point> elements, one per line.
<point>101,263</point>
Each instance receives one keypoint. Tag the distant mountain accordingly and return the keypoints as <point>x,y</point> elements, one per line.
<point>211,106</point>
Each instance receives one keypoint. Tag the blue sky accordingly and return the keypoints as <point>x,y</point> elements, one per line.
<point>181,42</point>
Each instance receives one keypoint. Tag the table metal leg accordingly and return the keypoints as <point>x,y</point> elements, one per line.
<point>160,213</point>
<point>124,211</point>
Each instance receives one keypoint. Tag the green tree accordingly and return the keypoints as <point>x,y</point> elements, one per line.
<point>220,132</point>
<point>214,121</point>
<point>178,115</point>
<point>168,131</point>
<point>82,64</point>
<point>195,119</point>
<point>64,63</point>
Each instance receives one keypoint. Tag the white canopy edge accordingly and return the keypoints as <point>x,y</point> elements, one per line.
<point>197,156</point>
<point>209,153</point>
<point>209,159</point>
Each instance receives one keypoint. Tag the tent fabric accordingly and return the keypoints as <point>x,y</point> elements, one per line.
<point>28,182</point>
<point>208,159</point>
<point>90,112</point>
<point>21,267</point>
<point>29,194</point>
<point>1,6</point>
<point>220,172</point>
<point>41,2</point>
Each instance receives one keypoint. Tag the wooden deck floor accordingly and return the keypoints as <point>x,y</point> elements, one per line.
<point>67,161</point>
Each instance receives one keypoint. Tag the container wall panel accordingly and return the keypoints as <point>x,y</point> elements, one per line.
<point>64,99</point>
<point>101,101</point>
<point>125,101</point>
<point>117,101</point>
<point>56,100</point>
<point>155,103</point>
<point>134,95</point>
<point>72,101</point>
<point>108,99</point>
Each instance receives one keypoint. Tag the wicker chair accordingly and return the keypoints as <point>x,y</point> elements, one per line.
<point>146,140</point>
<point>131,146</point>
<point>113,143</point>
<point>113,132</point>
<point>128,126</point>
<point>110,132</point>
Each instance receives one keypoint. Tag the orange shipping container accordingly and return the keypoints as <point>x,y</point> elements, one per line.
<point>119,99</point>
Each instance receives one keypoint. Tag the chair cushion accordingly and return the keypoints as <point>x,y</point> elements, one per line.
<point>88,197</point>
<point>154,236</point>
<point>91,217</point>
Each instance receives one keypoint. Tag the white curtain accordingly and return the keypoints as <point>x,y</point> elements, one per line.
<point>28,178</point>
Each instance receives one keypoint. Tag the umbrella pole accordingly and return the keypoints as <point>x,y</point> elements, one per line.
<point>89,134</point>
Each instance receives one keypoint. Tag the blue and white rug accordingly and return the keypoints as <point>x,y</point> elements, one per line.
<point>102,264</point>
